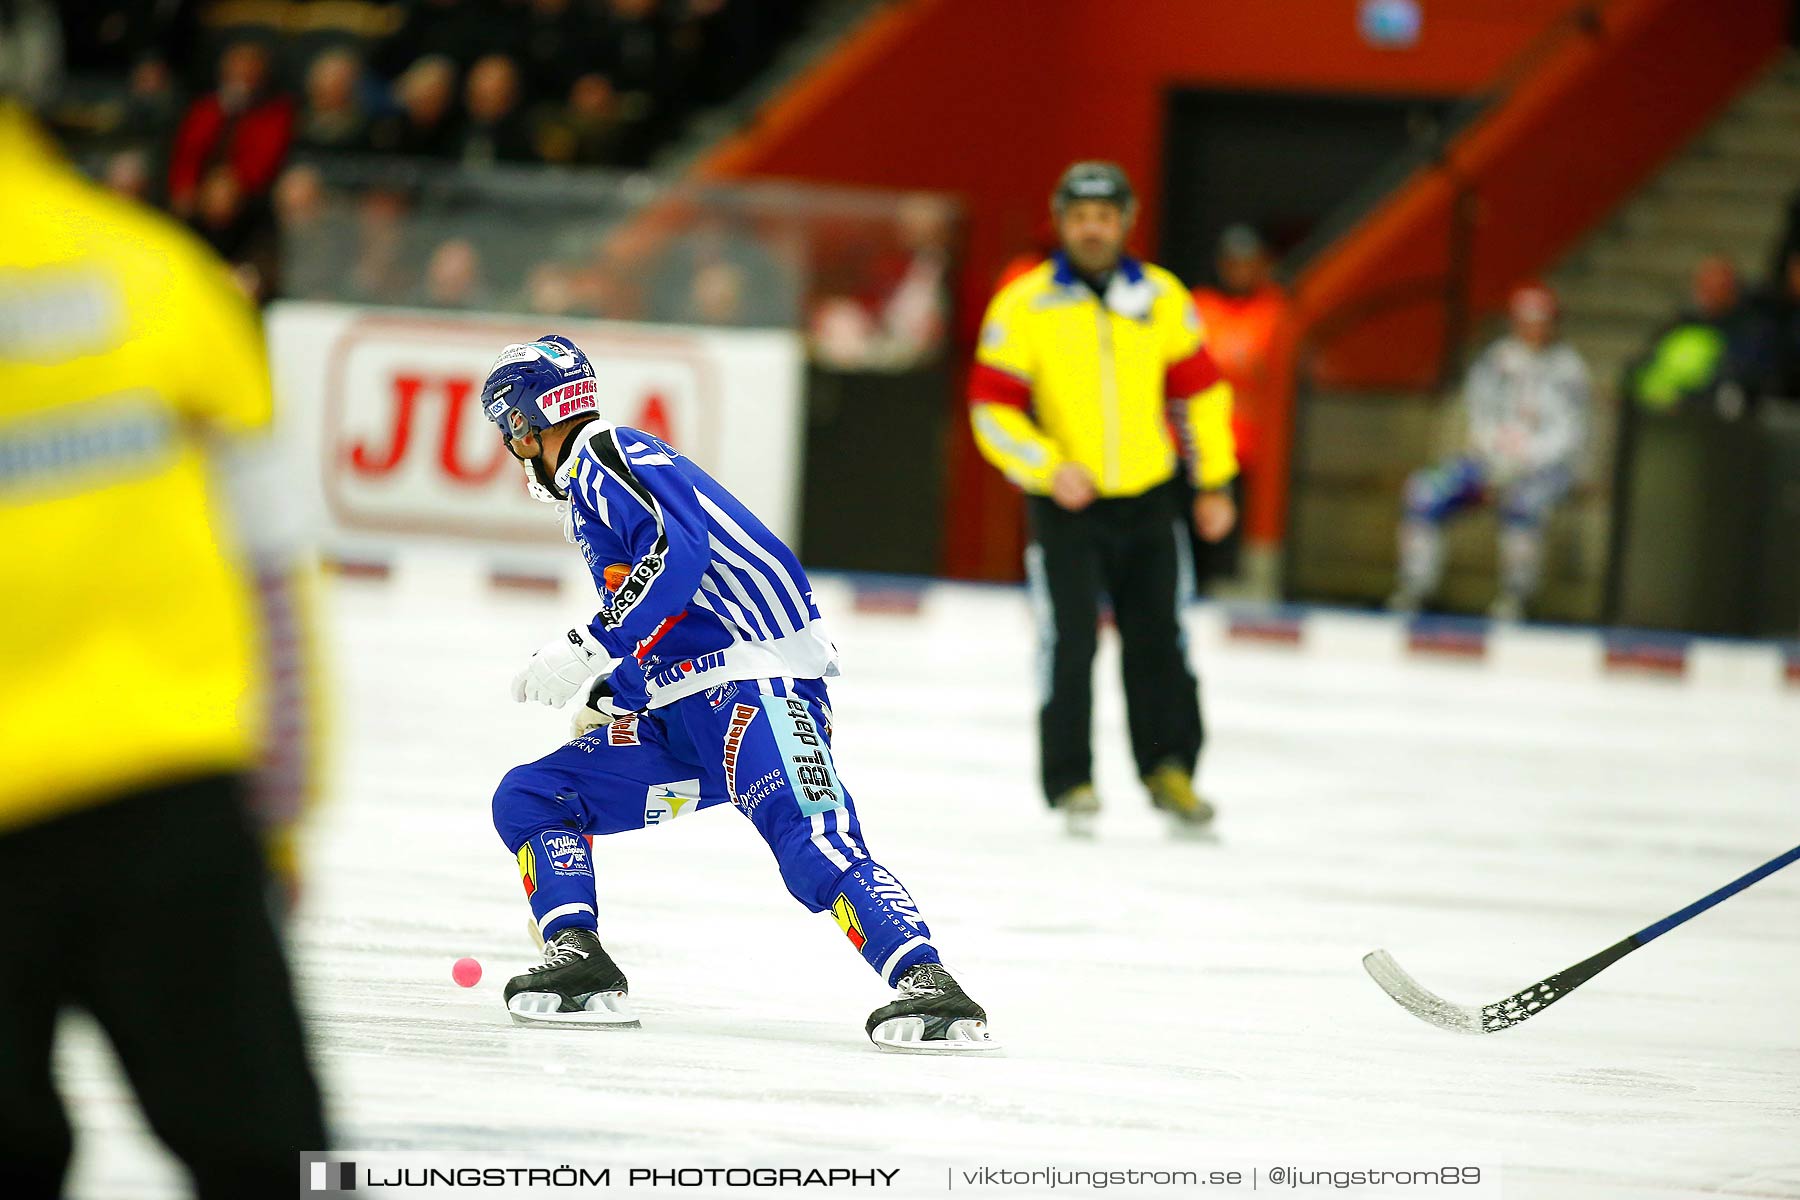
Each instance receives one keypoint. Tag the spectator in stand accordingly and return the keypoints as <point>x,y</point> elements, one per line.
<point>314,244</point>
<point>152,106</point>
<point>916,308</point>
<point>552,38</point>
<point>244,124</point>
<point>453,277</point>
<point>425,126</point>
<point>636,55</point>
<point>241,234</point>
<point>128,174</point>
<point>899,320</point>
<point>459,30</point>
<point>1716,342</point>
<point>494,130</point>
<point>1779,309</point>
<point>550,289</point>
<point>334,118</point>
<point>717,296</point>
<point>111,35</point>
<point>1241,317</point>
<point>380,274</point>
<point>767,293</point>
<point>589,130</point>
<point>1527,397</point>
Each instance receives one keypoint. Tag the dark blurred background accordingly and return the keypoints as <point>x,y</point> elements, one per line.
<point>1353,189</point>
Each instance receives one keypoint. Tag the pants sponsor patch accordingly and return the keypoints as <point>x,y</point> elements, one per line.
<point>741,716</point>
<point>567,853</point>
<point>622,732</point>
<point>805,753</point>
<point>528,870</point>
<point>891,892</point>
<point>758,790</point>
<point>849,922</point>
<point>666,801</point>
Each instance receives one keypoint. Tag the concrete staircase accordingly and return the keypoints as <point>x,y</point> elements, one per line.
<point>1727,193</point>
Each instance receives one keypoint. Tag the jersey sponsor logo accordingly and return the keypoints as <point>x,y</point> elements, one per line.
<point>893,893</point>
<point>741,716</point>
<point>568,853</point>
<point>718,696</point>
<point>615,576</point>
<point>565,400</point>
<point>845,914</point>
<point>528,870</point>
<point>760,789</point>
<point>666,801</point>
<point>676,672</point>
<point>629,592</point>
<point>622,732</point>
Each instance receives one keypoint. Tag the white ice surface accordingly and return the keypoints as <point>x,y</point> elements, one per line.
<point>1164,1003</point>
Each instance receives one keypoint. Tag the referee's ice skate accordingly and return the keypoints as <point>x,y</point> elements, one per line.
<point>932,1015</point>
<point>577,985</point>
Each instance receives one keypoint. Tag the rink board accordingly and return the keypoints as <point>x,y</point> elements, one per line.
<point>379,416</point>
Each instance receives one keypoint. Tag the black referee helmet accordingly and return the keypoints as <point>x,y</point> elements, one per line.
<point>1093,179</point>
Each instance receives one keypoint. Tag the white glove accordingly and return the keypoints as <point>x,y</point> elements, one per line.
<point>566,662</point>
<point>596,710</point>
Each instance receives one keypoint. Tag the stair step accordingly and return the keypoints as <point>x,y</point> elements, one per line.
<point>1774,142</point>
<point>1706,175</point>
<point>1604,329</point>
<point>1611,348</point>
<point>1674,260</point>
<point>1699,219</point>
<point>1776,100</point>
<point>1618,296</point>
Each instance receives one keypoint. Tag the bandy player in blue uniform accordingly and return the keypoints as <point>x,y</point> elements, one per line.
<point>702,684</point>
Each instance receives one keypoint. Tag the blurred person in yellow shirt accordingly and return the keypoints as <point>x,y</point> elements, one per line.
<point>1092,386</point>
<point>135,662</point>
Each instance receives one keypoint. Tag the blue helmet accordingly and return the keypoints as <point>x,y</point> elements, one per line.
<point>534,385</point>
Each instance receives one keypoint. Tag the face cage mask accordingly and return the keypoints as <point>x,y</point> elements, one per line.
<point>540,483</point>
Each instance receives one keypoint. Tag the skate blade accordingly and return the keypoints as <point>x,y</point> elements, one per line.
<point>1183,830</point>
<point>604,1010</point>
<point>906,1035</point>
<point>1082,825</point>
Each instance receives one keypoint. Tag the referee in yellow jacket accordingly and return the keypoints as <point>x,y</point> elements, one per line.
<point>134,880</point>
<point>1091,369</point>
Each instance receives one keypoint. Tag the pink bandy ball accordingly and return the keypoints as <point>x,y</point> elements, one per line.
<point>466,972</point>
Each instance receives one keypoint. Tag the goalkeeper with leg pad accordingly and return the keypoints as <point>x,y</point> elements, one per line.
<point>702,683</point>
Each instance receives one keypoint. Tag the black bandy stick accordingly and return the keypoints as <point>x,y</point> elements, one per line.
<point>1523,1005</point>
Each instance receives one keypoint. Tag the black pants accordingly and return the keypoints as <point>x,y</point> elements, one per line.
<point>152,913</point>
<point>1132,550</point>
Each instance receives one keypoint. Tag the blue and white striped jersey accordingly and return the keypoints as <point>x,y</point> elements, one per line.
<point>698,591</point>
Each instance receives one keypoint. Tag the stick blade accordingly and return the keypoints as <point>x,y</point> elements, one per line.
<point>1426,1005</point>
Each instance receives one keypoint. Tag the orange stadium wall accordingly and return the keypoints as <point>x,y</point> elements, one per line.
<point>989,99</point>
<point>1589,126</point>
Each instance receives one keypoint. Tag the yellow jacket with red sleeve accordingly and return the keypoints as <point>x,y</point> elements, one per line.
<point>1062,376</point>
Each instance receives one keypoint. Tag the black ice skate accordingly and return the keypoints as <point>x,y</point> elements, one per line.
<point>577,985</point>
<point>931,1016</point>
